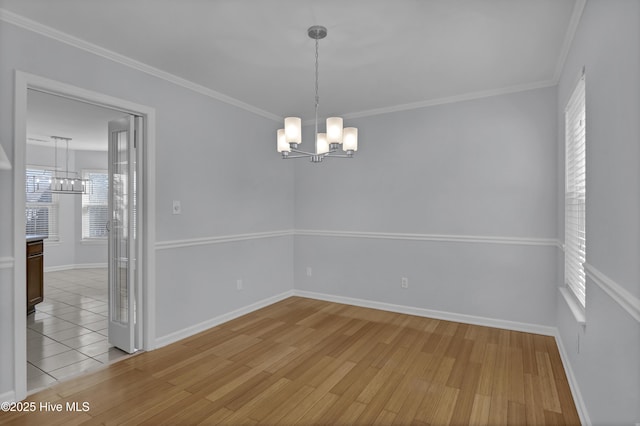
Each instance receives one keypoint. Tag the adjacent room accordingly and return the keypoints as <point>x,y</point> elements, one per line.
<point>320,212</point>
<point>67,330</point>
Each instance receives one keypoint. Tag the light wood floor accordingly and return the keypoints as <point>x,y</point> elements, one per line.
<point>303,361</point>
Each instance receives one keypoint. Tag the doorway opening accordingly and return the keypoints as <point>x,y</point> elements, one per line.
<point>72,328</point>
<point>68,299</point>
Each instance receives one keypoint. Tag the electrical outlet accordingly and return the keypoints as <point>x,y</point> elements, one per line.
<point>239,285</point>
<point>309,271</point>
<point>404,282</point>
<point>177,207</point>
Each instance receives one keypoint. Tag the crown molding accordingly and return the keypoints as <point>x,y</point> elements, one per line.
<point>52,33</point>
<point>36,27</point>
<point>452,99</point>
<point>578,8</point>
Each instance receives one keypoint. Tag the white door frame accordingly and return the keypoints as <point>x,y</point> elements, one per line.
<point>23,82</point>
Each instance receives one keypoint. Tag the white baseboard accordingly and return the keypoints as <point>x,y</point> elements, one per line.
<point>77,266</point>
<point>430,313</point>
<point>220,319</point>
<point>9,396</point>
<point>573,383</point>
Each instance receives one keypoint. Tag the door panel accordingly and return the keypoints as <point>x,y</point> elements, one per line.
<point>122,235</point>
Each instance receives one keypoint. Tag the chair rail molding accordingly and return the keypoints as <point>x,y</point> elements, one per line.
<point>6,262</point>
<point>529,241</point>
<point>621,295</point>
<point>192,242</point>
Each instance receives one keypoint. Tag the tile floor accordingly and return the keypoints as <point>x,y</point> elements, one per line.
<point>68,332</point>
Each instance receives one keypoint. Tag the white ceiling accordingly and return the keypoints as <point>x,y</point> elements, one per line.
<point>379,55</point>
<point>85,124</point>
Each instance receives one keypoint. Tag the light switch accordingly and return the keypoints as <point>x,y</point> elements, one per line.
<point>177,207</point>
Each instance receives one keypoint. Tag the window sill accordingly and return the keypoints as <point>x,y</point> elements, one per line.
<point>576,309</point>
<point>94,242</point>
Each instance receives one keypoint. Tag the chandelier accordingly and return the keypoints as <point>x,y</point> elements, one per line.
<point>66,182</point>
<point>327,144</point>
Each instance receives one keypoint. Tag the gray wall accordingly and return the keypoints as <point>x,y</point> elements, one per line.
<point>230,182</point>
<point>481,168</point>
<point>607,366</point>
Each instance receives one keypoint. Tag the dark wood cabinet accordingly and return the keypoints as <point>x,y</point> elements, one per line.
<point>35,274</point>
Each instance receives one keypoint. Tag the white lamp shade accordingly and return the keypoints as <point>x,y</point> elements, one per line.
<point>322,146</point>
<point>293,129</point>
<point>334,130</point>
<point>350,139</point>
<point>282,144</point>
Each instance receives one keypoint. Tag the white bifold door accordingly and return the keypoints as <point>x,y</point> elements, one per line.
<point>124,135</point>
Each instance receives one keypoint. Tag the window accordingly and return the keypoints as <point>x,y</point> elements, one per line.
<point>95,207</point>
<point>574,195</point>
<point>41,204</point>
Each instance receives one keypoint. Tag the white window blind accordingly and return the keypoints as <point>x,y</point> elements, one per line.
<point>95,208</point>
<point>41,204</point>
<point>574,200</point>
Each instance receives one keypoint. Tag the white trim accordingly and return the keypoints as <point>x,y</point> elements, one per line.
<point>581,407</point>
<point>24,82</point>
<point>430,313</point>
<point>621,295</point>
<point>76,266</point>
<point>574,306</point>
<point>9,396</point>
<point>451,99</point>
<point>21,86</point>
<point>6,262</point>
<point>578,8</point>
<point>432,237</point>
<point>192,242</point>
<point>63,37</point>
<point>220,319</point>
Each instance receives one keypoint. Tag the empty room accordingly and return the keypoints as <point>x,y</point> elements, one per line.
<point>320,212</point>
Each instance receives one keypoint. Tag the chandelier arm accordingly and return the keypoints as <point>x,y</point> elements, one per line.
<point>303,152</point>
<point>299,156</point>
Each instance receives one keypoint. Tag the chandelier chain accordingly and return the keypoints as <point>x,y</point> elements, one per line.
<point>317,96</point>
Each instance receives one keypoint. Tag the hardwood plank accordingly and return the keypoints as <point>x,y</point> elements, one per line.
<point>385,418</point>
<point>316,362</point>
<point>550,399</point>
<point>467,393</point>
<point>534,408</point>
<point>487,372</point>
<point>348,417</point>
<point>407,412</point>
<point>516,413</point>
<point>480,410</point>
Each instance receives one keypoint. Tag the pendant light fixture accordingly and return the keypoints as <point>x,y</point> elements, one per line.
<point>326,144</point>
<point>66,182</point>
